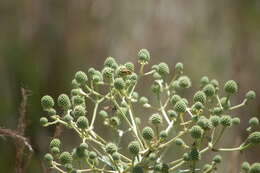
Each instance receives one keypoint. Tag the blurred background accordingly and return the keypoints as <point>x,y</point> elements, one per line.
<point>44,42</point>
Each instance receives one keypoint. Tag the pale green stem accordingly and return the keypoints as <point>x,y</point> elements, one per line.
<point>238,106</point>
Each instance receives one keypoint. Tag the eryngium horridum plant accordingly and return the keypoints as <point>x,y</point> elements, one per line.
<point>194,127</point>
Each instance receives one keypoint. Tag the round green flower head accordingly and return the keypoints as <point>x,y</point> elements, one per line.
<point>236,121</point>
<point>110,62</point>
<point>43,121</point>
<point>215,120</point>
<point>130,66</point>
<point>231,87</point>
<point>180,106</point>
<point>78,100</point>
<point>217,111</point>
<point>134,147</point>
<point>172,113</point>
<point>55,150</point>
<point>81,77</point>
<point>79,111</point>
<point>65,158</point>
<point>245,166</point>
<point>204,81</point>
<point>47,102</point>
<point>200,96</point>
<point>108,72</point>
<point>55,143</point>
<point>254,138</point>
<point>174,99</point>
<point>196,132</point>
<point>255,168</point>
<point>226,121</point>
<point>163,134</point>
<point>184,82</point>
<point>194,154</point>
<point>64,101</point>
<point>92,155</point>
<point>209,90</point>
<point>137,169</point>
<point>119,83</point>
<point>116,156</point>
<point>250,95</point>
<point>253,122</point>
<point>143,56</point>
<point>156,119</point>
<point>51,111</point>
<point>48,158</point>
<point>111,148</point>
<point>148,133</point>
<point>163,69</point>
<point>217,159</point>
<point>198,106</point>
<point>179,67</point>
<point>204,123</point>
<point>82,122</point>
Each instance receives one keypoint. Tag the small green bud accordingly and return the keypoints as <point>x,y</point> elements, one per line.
<point>209,90</point>
<point>156,75</point>
<point>82,122</point>
<point>130,66</point>
<point>226,121</point>
<point>78,100</point>
<point>179,67</point>
<point>47,102</point>
<point>67,118</point>
<point>200,96</point>
<point>245,166</point>
<point>55,150</point>
<point>137,169</point>
<point>114,121</point>
<point>186,157</point>
<point>184,82</point>
<point>254,138</point>
<point>196,132</point>
<point>163,69</point>
<point>119,83</point>
<point>217,159</point>
<point>225,104</point>
<point>103,113</point>
<point>174,85</point>
<point>55,143</point>
<point>231,87</point>
<point>75,84</point>
<point>108,72</point>
<point>111,148</point>
<point>180,107</point>
<point>134,147</point>
<point>51,111</point>
<point>204,123</point>
<point>163,134</point>
<point>79,111</point>
<point>236,121</point>
<point>65,158</point>
<point>48,158</point>
<point>144,56</point>
<point>250,95</point>
<point>198,106</point>
<point>148,133</point>
<point>110,62</point>
<point>156,119</point>
<point>217,111</point>
<point>174,99</point>
<point>92,155</point>
<point>253,122</point>
<point>194,154</point>
<point>143,100</point>
<point>81,77</point>
<point>179,142</point>
<point>215,120</point>
<point>64,101</point>
<point>116,156</point>
<point>204,81</point>
<point>215,83</point>
<point>43,121</point>
<point>172,113</point>
<point>255,168</point>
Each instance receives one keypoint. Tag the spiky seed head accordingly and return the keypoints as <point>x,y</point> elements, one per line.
<point>226,121</point>
<point>163,69</point>
<point>235,120</point>
<point>134,147</point>
<point>81,77</point>
<point>184,82</point>
<point>245,166</point>
<point>82,122</point>
<point>215,120</point>
<point>231,87</point>
<point>111,148</point>
<point>209,90</point>
<point>172,113</point>
<point>196,132</point>
<point>179,67</point>
<point>217,159</point>
<point>255,168</point>
<point>250,95</point>
<point>143,56</point>
<point>155,119</point>
<point>119,83</point>
<point>148,133</point>
<point>254,138</point>
<point>180,106</point>
<point>64,101</point>
<point>194,154</point>
<point>47,102</point>
<point>43,121</point>
<point>65,158</point>
<point>253,122</point>
<point>138,169</point>
<point>204,81</point>
<point>55,143</point>
<point>200,96</point>
<point>174,99</point>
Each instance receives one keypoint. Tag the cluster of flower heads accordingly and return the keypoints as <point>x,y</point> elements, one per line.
<point>195,126</point>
